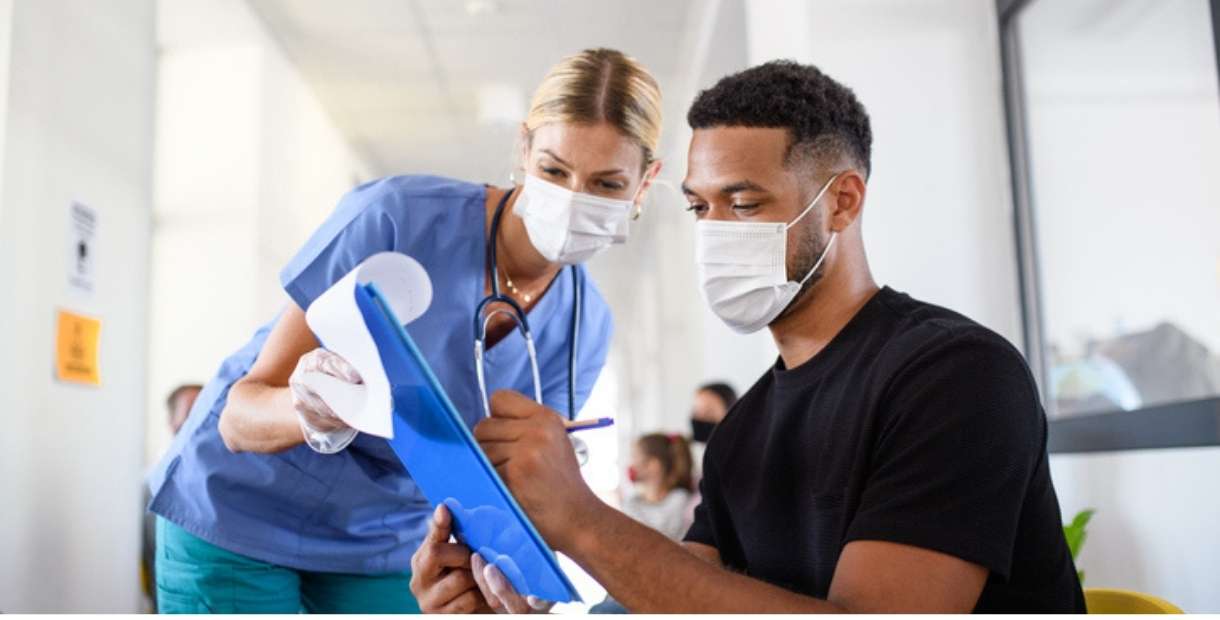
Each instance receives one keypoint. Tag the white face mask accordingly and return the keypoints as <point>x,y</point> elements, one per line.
<point>570,227</point>
<point>742,268</point>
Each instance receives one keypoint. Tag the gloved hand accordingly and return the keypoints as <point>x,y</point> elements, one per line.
<point>323,430</point>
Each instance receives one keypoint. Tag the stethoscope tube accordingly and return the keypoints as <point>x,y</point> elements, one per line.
<point>518,315</point>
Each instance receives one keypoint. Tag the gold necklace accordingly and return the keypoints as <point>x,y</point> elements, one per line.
<point>516,291</point>
<point>509,281</point>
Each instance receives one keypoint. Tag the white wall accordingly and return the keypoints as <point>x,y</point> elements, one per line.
<point>937,219</point>
<point>248,164</point>
<point>664,343</point>
<point>6,32</point>
<point>78,126</point>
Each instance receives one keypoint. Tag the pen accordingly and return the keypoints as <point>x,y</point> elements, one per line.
<point>584,425</point>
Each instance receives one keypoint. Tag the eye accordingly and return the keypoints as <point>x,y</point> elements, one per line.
<point>552,171</point>
<point>745,207</point>
<point>613,186</point>
<point>697,209</point>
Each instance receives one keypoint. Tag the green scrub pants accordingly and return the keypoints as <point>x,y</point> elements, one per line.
<point>195,576</point>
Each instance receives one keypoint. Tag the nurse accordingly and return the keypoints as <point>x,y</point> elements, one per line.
<point>266,501</point>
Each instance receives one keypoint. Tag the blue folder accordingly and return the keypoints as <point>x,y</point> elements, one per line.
<point>448,465</point>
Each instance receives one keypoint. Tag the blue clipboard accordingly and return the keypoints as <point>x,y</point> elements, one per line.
<point>448,465</point>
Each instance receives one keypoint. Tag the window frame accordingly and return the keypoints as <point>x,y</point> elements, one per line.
<point>1193,423</point>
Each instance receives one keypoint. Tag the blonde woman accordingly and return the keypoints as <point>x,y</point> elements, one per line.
<point>267,502</point>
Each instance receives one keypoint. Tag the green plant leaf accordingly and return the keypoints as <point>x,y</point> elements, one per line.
<point>1075,532</point>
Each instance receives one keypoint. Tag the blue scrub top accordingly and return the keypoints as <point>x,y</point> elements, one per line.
<point>358,511</point>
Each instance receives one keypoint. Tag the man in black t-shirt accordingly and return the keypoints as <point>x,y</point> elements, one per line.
<point>893,460</point>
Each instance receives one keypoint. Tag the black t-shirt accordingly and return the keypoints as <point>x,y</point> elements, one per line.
<point>915,425</point>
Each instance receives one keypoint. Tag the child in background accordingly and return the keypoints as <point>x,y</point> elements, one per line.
<point>661,473</point>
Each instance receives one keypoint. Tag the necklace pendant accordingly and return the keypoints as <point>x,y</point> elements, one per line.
<point>528,298</point>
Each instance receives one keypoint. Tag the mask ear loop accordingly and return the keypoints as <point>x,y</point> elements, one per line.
<point>813,202</point>
<point>834,235</point>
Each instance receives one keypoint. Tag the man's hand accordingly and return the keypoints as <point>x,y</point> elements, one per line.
<point>499,592</point>
<point>441,579</point>
<point>528,445</point>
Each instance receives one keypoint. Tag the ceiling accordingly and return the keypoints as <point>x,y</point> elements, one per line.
<point>404,79</point>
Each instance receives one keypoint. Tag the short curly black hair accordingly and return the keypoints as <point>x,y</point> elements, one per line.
<point>823,116</point>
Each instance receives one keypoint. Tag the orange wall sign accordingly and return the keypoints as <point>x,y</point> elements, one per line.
<point>76,353</point>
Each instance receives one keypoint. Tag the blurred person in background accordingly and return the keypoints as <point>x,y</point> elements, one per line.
<point>660,497</point>
<point>179,403</point>
<point>267,501</point>
<point>178,406</point>
<point>660,475</point>
<point>711,403</point>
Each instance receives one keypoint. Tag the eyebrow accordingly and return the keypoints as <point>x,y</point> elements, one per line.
<point>559,159</point>
<point>730,189</point>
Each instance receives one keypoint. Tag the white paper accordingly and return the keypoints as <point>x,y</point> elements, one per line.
<point>337,322</point>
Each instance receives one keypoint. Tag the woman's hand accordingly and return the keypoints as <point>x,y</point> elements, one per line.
<point>323,429</point>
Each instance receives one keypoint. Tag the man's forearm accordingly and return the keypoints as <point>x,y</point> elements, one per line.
<point>648,573</point>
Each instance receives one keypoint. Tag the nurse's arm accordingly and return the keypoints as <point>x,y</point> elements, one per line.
<point>259,416</point>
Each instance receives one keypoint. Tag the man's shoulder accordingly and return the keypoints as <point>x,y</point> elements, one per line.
<point>923,332</point>
<point>970,373</point>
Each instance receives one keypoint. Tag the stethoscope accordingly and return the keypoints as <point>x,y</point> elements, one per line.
<point>515,311</point>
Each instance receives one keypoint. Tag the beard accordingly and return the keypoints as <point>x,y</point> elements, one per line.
<point>810,244</point>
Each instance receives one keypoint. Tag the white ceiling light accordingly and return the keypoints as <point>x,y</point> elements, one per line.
<point>477,8</point>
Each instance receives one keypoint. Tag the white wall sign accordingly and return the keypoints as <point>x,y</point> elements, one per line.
<point>82,223</point>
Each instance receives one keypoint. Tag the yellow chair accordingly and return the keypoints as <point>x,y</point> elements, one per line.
<point>1109,601</point>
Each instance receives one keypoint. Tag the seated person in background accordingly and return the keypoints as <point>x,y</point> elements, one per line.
<point>179,403</point>
<point>178,406</point>
<point>661,474</point>
<point>712,402</point>
<point>894,459</point>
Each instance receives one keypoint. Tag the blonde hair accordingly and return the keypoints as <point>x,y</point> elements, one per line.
<point>601,85</point>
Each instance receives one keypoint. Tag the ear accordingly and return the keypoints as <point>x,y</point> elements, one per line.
<point>847,199</point>
<point>650,174</point>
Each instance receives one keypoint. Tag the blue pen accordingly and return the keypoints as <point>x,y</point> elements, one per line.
<point>584,425</point>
